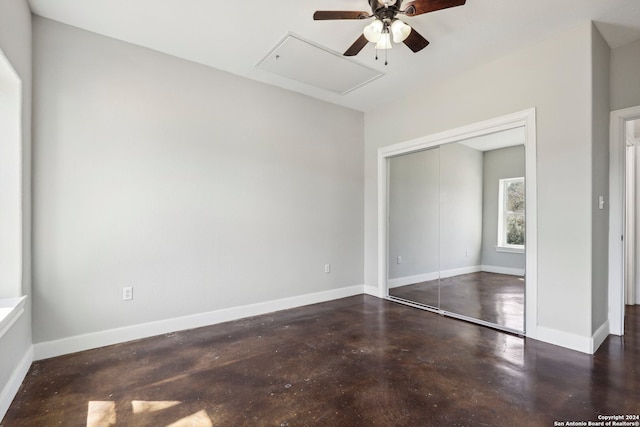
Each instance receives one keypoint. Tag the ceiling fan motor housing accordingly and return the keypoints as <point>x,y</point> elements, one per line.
<point>385,9</point>
<point>386,24</point>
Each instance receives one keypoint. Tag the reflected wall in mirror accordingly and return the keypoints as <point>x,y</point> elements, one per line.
<point>480,230</point>
<point>413,213</point>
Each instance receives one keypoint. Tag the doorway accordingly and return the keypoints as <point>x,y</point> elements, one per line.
<point>632,225</point>
<point>624,171</point>
<point>524,120</point>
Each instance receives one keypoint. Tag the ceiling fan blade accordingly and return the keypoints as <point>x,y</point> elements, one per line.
<point>357,46</point>
<point>415,41</point>
<point>418,7</point>
<point>322,15</point>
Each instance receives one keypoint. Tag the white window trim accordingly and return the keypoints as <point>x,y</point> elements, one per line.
<point>502,246</point>
<point>10,184</point>
<point>510,249</point>
<point>10,311</point>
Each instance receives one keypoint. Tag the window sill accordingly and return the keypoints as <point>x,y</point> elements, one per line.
<point>509,250</point>
<point>10,311</point>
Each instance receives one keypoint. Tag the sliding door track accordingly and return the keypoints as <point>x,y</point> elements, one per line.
<point>441,312</point>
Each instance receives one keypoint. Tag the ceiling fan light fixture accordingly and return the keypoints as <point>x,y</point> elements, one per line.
<point>373,31</point>
<point>385,24</point>
<point>384,42</point>
<point>399,30</point>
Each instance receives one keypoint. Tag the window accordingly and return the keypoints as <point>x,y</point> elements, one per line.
<point>511,215</point>
<point>10,181</point>
<point>11,301</point>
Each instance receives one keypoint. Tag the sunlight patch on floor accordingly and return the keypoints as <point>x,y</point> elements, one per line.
<point>101,414</point>
<point>199,419</point>
<point>145,406</point>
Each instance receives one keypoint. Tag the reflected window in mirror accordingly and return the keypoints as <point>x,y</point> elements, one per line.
<point>511,221</point>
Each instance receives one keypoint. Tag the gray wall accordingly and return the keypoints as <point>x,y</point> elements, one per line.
<point>15,43</point>
<point>200,189</point>
<point>554,76</point>
<point>600,65</point>
<point>461,207</point>
<point>625,76</point>
<point>499,164</point>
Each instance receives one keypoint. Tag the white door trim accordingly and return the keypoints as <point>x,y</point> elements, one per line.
<point>526,118</point>
<point>617,148</point>
<point>630,224</point>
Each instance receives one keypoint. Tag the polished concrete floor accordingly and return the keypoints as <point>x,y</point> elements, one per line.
<point>494,298</point>
<point>358,361</point>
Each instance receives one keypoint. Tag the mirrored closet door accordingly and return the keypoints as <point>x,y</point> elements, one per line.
<point>414,233</point>
<point>456,229</point>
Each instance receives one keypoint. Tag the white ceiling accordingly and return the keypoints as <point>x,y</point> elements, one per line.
<point>236,36</point>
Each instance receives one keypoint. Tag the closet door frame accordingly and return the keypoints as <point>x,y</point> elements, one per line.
<point>526,119</point>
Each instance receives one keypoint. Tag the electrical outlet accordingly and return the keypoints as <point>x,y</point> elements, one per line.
<point>327,268</point>
<point>127,293</point>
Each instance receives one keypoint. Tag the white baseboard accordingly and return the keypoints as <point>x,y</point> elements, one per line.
<point>426,277</point>
<point>580,343</point>
<point>459,271</point>
<point>599,336</point>
<point>83,342</point>
<point>503,270</point>
<point>564,339</point>
<point>410,280</point>
<point>12,386</point>
<point>373,291</point>
<point>418,278</point>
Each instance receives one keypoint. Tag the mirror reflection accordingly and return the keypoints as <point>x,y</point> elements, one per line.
<point>457,228</point>
<point>414,241</point>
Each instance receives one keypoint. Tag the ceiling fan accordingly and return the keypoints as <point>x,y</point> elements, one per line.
<point>387,26</point>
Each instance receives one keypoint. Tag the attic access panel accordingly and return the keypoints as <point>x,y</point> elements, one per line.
<point>306,62</point>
